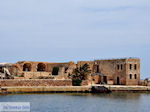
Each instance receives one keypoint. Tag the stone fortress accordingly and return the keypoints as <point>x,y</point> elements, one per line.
<point>111,71</point>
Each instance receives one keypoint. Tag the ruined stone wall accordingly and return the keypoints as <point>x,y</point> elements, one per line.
<point>29,69</point>
<point>35,82</point>
<point>65,69</point>
<point>35,75</point>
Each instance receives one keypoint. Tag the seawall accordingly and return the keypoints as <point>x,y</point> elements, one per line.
<point>40,86</point>
<point>45,89</point>
<point>71,89</point>
<point>50,85</point>
<point>123,88</point>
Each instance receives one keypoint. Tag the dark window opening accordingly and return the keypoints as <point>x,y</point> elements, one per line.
<point>118,80</point>
<point>41,67</point>
<point>130,66</point>
<point>135,76</point>
<point>105,79</point>
<point>135,66</point>
<point>1,70</point>
<point>118,67</point>
<point>121,66</point>
<point>27,67</point>
<point>97,68</point>
<point>55,71</point>
<point>130,76</point>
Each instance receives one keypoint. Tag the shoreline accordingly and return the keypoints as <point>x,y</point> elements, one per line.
<point>45,89</point>
<point>73,89</point>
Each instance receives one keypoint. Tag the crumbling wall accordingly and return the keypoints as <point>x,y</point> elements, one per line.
<point>31,70</point>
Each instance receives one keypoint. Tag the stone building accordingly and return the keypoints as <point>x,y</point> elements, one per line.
<point>112,71</point>
<point>33,70</point>
<point>118,71</point>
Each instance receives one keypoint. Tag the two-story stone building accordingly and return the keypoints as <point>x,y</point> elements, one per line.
<point>118,71</point>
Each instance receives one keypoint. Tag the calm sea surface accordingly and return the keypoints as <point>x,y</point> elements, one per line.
<point>77,102</point>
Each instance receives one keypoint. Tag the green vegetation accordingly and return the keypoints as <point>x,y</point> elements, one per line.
<point>19,75</point>
<point>80,73</point>
<point>76,82</point>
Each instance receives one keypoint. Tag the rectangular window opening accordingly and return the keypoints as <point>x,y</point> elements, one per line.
<point>118,67</point>
<point>135,66</point>
<point>130,66</point>
<point>121,66</point>
<point>135,76</point>
<point>130,76</point>
<point>97,68</point>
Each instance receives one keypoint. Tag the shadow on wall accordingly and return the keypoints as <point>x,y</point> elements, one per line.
<point>41,67</point>
<point>27,67</point>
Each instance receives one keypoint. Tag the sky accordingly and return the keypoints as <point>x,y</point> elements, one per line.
<point>74,30</point>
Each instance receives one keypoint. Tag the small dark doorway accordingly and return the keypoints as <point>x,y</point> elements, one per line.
<point>55,71</point>
<point>118,81</point>
<point>105,79</point>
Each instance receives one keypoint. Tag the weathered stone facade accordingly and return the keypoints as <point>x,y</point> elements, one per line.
<point>119,71</point>
<point>33,70</point>
<point>114,71</point>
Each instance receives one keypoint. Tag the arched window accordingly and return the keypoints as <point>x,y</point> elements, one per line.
<point>41,67</point>
<point>27,67</point>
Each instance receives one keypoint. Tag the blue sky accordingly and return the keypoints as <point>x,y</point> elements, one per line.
<point>72,30</point>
